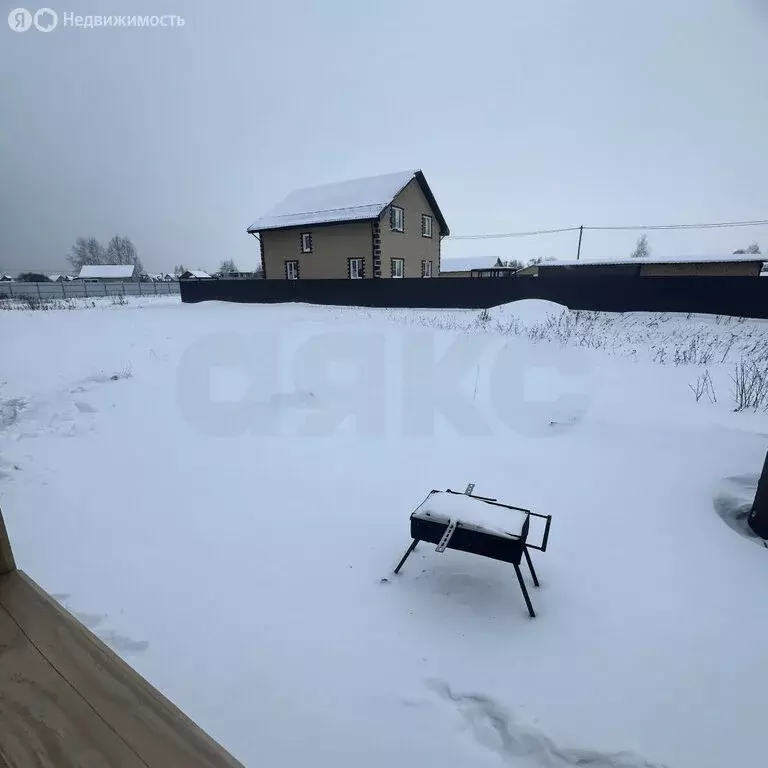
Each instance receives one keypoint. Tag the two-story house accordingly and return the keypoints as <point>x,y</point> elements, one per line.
<point>382,226</point>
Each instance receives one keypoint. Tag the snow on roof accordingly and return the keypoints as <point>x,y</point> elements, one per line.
<point>354,200</point>
<point>54,278</point>
<point>107,270</point>
<point>6,277</point>
<point>731,257</point>
<point>196,273</point>
<point>465,265</point>
<point>472,512</point>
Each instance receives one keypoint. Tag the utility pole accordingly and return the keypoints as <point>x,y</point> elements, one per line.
<point>578,252</point>
<point>758,517</point>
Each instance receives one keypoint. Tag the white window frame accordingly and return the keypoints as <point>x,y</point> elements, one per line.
<point>292,270</point>
<point>426,225</point>
<point>426,269</point>
<point>398,263</point>
<point>306,242</point>
<point>398,219</point>
<point>356,268</point>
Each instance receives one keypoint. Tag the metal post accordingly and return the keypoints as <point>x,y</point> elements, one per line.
<point>155,289</point>
<point>85,288</point>
<point>530,565</point>
<point>105,290</point>
<point>578,251</point>
<point>525,591</point>
<point>140,288</point>
<point>10,289</point>
<point>405,556</point>
<point>63,292</point>
<point>37,285</point>
<point>758,517</point>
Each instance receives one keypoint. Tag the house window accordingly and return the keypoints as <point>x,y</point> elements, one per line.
<point>426,269</point>
<point>426,226</point>
<point>398,267</point>
<point>306,242</point>
<point>396,219</point>
<point>356,269</point>
<point>291,270</point>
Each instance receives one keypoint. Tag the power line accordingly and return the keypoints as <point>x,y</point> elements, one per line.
<point>513,234</point>
<point>760,222</point>
<point>632,227</point>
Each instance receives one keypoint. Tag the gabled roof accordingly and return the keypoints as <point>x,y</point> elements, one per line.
<point>355,200</point>
<point>195,273</point>
<point>114,271</point>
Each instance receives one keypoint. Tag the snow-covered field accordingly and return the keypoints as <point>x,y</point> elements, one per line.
<point>185,479</point>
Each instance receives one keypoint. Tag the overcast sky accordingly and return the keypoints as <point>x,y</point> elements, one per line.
<point>523,115</point>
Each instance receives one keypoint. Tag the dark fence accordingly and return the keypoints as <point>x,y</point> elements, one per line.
<point>740,296</point>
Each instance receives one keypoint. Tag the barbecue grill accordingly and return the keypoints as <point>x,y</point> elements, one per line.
<point>480,526</point>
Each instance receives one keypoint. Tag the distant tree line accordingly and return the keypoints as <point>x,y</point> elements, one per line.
<point>517,264</point>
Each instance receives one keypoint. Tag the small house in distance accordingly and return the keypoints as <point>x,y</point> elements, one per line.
<point>732,265</point>
<point>457,267</point>
<point>195,274</point>
<point>481,267</point>
<point>386,226</point>
<point>106,273</point>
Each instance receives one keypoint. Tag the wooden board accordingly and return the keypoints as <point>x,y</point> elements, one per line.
<point>67,700</point>
<point>7,563</point>
<point>43,721</point>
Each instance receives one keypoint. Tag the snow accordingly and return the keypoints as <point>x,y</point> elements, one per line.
<point>196,273</point>
<point>353,200</point>
<point>240,555</point>
<point>472,513</point>
<point>111,271</point>
<point>729,257</point>
<point>528,311</point>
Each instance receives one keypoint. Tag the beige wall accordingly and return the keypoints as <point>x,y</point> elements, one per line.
<point>410,244</point>
<point>332,245</point>
<point>713,269</point>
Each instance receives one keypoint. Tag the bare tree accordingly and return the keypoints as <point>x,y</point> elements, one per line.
<point>179,270</point>
<point>642,249</point>
<point>120,250</point>
<point>753,249</point>
<point>86,251</point>
<point>514,263</point>
<point>227,267</point>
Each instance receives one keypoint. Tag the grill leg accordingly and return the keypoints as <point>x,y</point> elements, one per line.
<point>530,565</point>
<point>405,556</point>
<point>525,591</point>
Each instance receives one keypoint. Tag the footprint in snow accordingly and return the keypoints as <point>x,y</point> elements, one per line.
<point>123,643</point>
<point>494,727</point>
<point>118,642</point>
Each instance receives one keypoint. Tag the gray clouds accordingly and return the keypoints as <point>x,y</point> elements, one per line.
<point>522,116</point>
